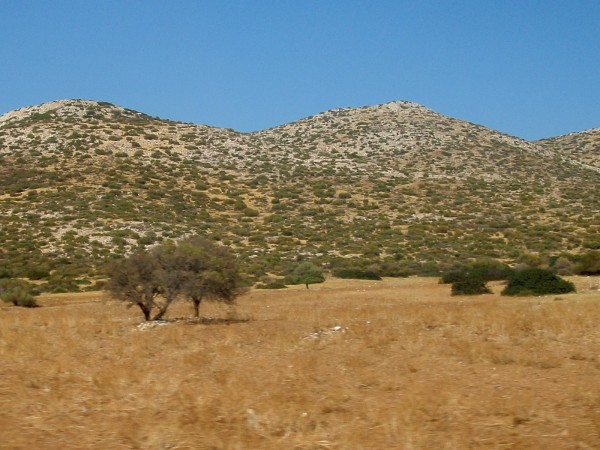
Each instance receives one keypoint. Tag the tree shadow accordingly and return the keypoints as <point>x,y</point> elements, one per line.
<point>214,320</point>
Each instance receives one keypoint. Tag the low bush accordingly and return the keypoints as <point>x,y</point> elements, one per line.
<point>356,274</point>
<point>57,285</point>
<point>562,265</point>
<point>17,293</point>
<point>485,269</point>
<point>470,286</point>
<point>535,281</point>
<point>271,285</point>
<point>589,264</point>
<point>36,271</point>
<point>7,284</point>
<point>5,272</point>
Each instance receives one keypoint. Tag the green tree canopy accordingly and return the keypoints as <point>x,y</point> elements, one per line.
<point>307,273</point>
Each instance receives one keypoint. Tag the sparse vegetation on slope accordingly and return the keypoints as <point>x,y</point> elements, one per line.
<point>397,187</point>
<point>582,147</point>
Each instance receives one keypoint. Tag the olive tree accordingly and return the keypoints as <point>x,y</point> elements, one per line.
<point>193,269</point>
<point>136,280</point>
<point>211,272</point>
<point>171,276</point>
<point>307,273</point>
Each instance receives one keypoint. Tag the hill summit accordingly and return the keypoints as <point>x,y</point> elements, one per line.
<point>66,110</point>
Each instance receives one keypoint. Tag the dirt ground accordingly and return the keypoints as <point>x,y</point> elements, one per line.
<point>344,365</point>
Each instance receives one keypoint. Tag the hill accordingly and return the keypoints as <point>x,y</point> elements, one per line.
<point>397,186</point>
<point>583,147</point>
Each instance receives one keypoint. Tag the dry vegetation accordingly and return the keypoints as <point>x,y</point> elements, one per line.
<point>397,186</point>
<point>344,365</point>
<point>583,146</point>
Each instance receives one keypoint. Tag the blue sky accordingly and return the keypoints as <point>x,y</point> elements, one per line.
<point>528,68</point>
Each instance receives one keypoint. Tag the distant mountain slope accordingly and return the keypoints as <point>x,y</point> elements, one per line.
<point>93,126</point>
<point>397,186</point>
<point>70,110</point>
<point>583,147</point>
<point>405,140</point>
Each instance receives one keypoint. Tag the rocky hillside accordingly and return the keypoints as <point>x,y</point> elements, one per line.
<point>396,186</point>
<point>583,147</point>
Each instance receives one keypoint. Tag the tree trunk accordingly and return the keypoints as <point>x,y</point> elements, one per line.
<point>163,309</point>
<point>145,310</point>
<point>197,301</point>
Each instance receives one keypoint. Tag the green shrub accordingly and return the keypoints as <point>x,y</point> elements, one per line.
<point>36,271</point>
<point>271,285</point>
<point>392,268</point>
<point>593,244</point>
<point>18,296</point>
<point>589,264</point>
<point>485,269</point>
<point>7,284</point>
<point>562,266</point>
<point>356,274</point>
<point>306,273</point>
<point>470,286</point>
<point>5,272</point>
<point>536,281</point>
<point>60,285</point>
<point>492,269</point>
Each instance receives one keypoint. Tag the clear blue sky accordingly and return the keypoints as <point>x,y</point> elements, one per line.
<point>530,68</point>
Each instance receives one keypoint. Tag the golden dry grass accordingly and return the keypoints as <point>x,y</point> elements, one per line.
<point>410,368</point>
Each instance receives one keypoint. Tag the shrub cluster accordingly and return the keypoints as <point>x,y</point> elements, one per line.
<point>535,281</point>
<point>589,264</point>
<point>471,278</point>
<point>271,285</point>
<point>356,274</point>
<point>470,286</point>
<point>484,269</point>
<point>17,292</point>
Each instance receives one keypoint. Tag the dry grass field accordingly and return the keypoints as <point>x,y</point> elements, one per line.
<point>343,365</point>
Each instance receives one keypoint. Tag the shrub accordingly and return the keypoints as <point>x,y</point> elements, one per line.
<point>271,285</point>
<point>485,269</point>
<point>593,244</point>
<point>470,286</point>
<point>36,272</point>
<point>535,281</point>
<point>5,272</point>
<point>562,266</point>
<point>529,260</point>
<point>356,274</point>
<point>589,263</point>
<point>7,284</point>
<point>391,268</point>
<point>306,273</point>
<point>19,296</point>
